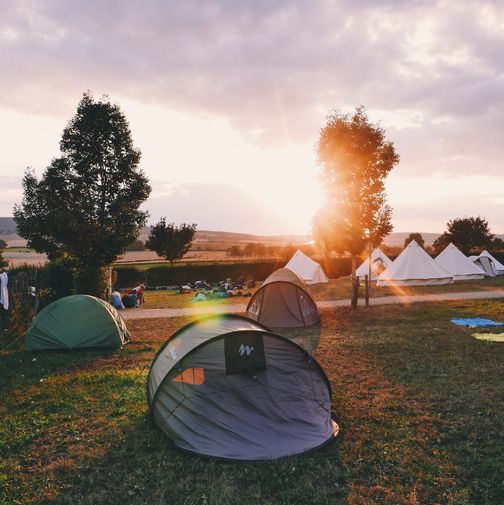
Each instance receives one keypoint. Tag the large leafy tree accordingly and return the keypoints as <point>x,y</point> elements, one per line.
<point>417,237</point>
<point>355,158</point>
<point>467,233</point>
<point>170,241</point>
<point>86,206</point>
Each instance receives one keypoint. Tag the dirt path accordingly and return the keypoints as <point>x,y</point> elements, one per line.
<point>380,300</point>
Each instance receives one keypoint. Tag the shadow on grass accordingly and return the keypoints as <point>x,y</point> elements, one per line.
<point>142,467</point>
<point>308,337</point>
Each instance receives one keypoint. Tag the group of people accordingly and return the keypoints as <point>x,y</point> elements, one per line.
<point>131,298</point>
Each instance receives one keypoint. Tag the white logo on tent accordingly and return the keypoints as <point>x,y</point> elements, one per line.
<point>245,349</point>
<point>173,354</point>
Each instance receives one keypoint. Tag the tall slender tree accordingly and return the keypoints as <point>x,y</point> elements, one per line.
<point>355,158</point>
<point>86,206</point>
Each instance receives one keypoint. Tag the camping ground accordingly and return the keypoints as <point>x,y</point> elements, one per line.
<point>418,400</point>
<point>336,289</point>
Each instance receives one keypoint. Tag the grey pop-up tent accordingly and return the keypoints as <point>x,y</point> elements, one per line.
<point>283,300</point>
<point>226,387</point>
<point>75,322</point>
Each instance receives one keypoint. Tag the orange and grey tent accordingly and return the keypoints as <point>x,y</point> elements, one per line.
<point>283,300</point>
<point>226,387</point>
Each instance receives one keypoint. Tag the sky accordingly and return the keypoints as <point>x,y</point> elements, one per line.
<point>226,100</point>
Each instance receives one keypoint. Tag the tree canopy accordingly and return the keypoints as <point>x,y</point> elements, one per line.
<point>3,244</point>
<point>417,237</point>
<point>86,206</point>
<point>468,234</point>
<point>170,241</point>
<point>355,158</point>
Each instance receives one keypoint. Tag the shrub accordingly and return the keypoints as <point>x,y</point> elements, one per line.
<point>180,274</point>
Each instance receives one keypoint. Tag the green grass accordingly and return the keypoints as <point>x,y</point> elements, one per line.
<point>420,404</point>
<point>174,300</point>
<point>337,289</point>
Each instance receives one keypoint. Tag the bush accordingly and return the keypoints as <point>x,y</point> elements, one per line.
<point>180,274</point>
<point>57,281</point>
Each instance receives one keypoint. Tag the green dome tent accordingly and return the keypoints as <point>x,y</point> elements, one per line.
<point>75,322</point>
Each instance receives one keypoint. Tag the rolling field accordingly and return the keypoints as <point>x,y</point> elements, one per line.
<point>420,404</point>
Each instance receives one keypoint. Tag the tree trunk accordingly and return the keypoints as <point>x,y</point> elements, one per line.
<point>355,284</point>
<point>367,284</point>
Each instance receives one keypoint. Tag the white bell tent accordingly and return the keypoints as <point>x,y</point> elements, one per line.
<point>459,265</point>
<point>496,265</point>
<point>309,270</point>
<point>414,267</point>
<point>379,262</point>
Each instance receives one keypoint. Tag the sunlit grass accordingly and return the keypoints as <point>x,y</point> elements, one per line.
<point>337,289</point>
<point>420,404</point>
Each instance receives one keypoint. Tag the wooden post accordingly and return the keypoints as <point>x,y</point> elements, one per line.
<point>367,290</point>
<point>355,292</point>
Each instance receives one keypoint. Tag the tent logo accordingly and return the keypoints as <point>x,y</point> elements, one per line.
<point>245,349</point>
<point>173,354</point>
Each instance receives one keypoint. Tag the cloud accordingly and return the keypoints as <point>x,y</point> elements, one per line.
<point>212,207</point>
<point>431,71</point>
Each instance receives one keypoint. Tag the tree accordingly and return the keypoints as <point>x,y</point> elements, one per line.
<point>355,158</point>
<point>3,263</point>
<point>417,237</point>
<point>3,244</point>
<point>468,234</point>
<point>85,208</point>
<point>497,244</point>
<point>250,249</point>
<point>170,241</point>
<point>235,250</point>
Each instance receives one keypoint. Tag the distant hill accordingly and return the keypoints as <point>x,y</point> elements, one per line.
<point>226,238</point>
<point>397,239</point>
<point>7,226</point>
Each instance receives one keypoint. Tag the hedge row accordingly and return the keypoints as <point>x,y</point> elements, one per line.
<point>181,274</point>
<point>214,272</point>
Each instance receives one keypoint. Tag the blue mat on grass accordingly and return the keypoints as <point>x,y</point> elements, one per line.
<point>473,322</point>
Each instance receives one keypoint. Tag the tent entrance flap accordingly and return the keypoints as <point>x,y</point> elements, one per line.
<point>244,353</point>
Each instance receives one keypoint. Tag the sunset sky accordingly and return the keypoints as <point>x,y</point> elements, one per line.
<point>226,99</point>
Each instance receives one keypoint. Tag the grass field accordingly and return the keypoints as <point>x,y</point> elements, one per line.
<point>337,289</point>
<point>420,405</point>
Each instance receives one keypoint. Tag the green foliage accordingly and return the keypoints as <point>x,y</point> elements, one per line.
<point>169,241</point>
<point>85,208</point>
<point>20,315</point>
<point>468,234</point>
<point>3,244</point>
<point>3,263</point>
<point>57,281</point>
<point>355,158</point>
<point>417,237</point>
<point>180,274</point>
<point>497,244</point>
